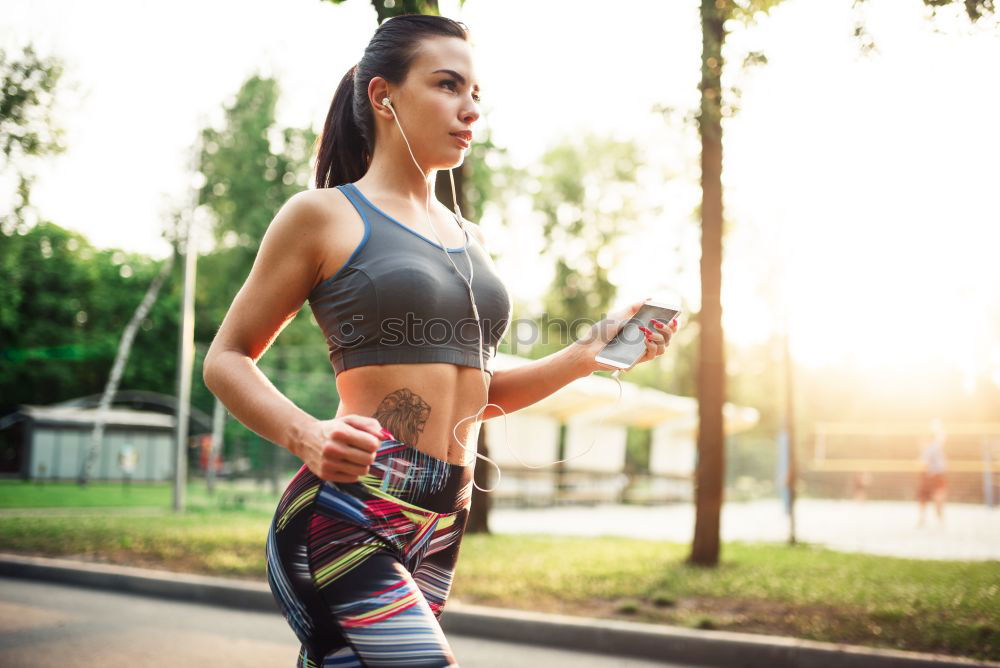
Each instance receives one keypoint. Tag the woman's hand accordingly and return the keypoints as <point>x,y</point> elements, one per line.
<point>658,336</point>
<point>341,449</point>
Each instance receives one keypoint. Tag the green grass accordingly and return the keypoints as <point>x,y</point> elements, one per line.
<point>950,607</point>
<point>62,494</point>
<point>230,543</point>
<point>804,591</point>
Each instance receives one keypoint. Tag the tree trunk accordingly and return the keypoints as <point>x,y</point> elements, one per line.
<point>442,188</point>
<point>711,375</point>
<point>479,514</point>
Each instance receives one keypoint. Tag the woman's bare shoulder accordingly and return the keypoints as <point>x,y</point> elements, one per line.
<point>332,224</point>
<point>308,234</point>
<point>319,207</point>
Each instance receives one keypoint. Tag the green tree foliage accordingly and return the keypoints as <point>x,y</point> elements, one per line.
<point>251,168</point>
<point>386,9</point>
<point>490,177</point>
<point>975,9</point>
<point>27,97</point>
<point>587,203</point>
<point>64,305</point>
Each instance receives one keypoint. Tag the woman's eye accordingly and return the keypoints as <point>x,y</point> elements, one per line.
<point>452,83</point>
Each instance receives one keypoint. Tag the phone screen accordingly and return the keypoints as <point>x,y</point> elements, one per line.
<point>629,343</point>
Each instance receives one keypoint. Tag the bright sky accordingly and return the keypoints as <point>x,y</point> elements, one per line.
<point>871,183</point>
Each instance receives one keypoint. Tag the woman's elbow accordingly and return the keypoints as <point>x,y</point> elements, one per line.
<point>210,367</point>
<point>208,371</point>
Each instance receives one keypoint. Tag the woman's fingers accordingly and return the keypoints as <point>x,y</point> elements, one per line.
<point>658,337</point>
<point>364,423</point>
<point>656,342</point>
<point>666,330</point>
<point>355,445</point>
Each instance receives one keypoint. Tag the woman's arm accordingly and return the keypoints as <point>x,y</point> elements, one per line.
<point>287,265</point>
<point>279,281</point>
<point>513,389</point>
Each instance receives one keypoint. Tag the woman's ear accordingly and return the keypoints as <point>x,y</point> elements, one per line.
<point>378,89</point>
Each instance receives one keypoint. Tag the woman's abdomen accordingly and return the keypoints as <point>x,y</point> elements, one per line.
<point>420,404</point>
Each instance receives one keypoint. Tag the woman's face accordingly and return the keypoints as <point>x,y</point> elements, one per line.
<point>431,104</point>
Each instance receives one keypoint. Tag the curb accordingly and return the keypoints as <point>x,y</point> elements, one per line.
<point>605,636</point>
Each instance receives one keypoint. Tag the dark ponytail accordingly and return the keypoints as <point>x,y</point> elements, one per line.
<point>347,143</point>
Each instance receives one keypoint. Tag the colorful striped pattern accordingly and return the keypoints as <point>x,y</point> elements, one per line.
<point>342,658</point>
<point>396,533</point>
<point>277,578</point>
<point>391,627</point>
<point>435,583</point>
<point>403,471</point>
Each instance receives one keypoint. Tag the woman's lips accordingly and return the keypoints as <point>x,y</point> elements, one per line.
<point>461,141</point>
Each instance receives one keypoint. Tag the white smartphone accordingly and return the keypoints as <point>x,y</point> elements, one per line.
<point>629,343</point>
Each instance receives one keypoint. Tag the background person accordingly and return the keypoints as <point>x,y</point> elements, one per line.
<point>932,484</point>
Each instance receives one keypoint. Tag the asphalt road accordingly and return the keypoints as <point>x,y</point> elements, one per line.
<point>45,624</point>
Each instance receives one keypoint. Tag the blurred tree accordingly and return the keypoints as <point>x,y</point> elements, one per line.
<point>27,132</point>
<point>64,302</point>
<point>121,361</point>
<point>64,307</point>
<point>586,202</point>
<point>975,9</point>
<point>385,9</point>
<point>250,168</point>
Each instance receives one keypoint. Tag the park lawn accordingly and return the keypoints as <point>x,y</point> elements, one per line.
<point>950,607</point>
<point>803,591</point>
<point>99,494</point>
<point>21,494</point>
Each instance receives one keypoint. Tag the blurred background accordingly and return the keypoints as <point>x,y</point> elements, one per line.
<point>855,146</point>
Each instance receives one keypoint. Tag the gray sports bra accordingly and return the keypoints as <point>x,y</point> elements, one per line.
<point>397,299</point>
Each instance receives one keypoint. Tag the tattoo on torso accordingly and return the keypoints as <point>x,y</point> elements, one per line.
<point>404,414</point>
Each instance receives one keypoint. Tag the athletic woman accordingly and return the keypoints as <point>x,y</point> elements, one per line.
<point>363,544</point>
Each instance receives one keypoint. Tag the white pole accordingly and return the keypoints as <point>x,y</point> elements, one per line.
<point>185,346</point>
<point>185,365</point>
<point>218,428</point>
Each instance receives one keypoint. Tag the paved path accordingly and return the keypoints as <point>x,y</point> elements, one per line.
<point>876,527</point>
<point>49,625</point>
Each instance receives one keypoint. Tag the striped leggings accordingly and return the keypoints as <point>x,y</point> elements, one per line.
<point>361,571</point>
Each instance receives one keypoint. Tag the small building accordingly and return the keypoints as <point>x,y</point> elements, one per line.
<point>49,442</point>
